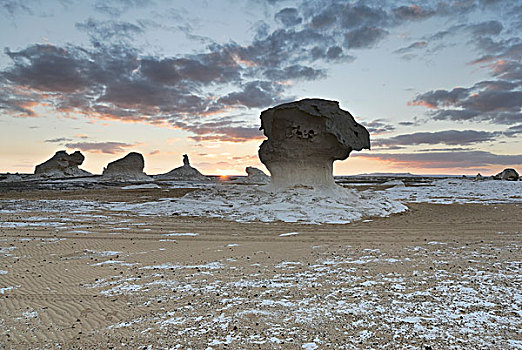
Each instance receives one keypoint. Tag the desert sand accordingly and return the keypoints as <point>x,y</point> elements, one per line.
<point>436,276</point>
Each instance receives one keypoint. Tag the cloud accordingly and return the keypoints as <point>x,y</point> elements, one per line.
<point>412,12</point>
<point>227,134</point>
<point>414,46</point>
<point>499,102</point>
<point>446,160</point>
<point>118,7</point>
<point>378,126</point>
<point>101,31</point>
<point>101,147</point>
<point>255,94</point>
<point>11,7</point>
<point>447,137</point>
<point>289,17</point>
<point>58,140</point>
<point>364,37</point>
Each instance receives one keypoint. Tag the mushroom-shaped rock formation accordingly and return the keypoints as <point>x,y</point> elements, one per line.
<point>305,138</point>
<point>185,172</point>
<point>128,168</point>
<point>479,177</point>
<point>508,174</point>
<point>62,165</point>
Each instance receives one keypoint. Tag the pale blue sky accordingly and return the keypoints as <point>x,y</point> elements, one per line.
<point>166,78</point>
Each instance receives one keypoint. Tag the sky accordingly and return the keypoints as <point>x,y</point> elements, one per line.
<point>438,84</point>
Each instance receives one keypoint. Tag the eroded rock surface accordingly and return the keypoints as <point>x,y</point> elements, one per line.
<point>508,174</point>
<point>185,172</point>
<point>128,168</point>
<point>305,138</point>
<point>254,176</point>
<point>62,165</point>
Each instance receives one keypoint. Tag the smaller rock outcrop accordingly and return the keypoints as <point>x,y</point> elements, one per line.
<point>508,174</point>
<point>479,177</point>
<point>128,168</point>
<point>254,176</point>
<point>62,165</point>
<point>185,172</point>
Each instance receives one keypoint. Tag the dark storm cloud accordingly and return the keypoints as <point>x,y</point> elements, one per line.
<point>441,160</point>
<point>100,147</point>
<point>447,137</point>
<point>288,16</point>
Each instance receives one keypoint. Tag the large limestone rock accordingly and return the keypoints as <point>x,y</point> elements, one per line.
<point>508,174</point>
<point>62,165</point>
<point>185,172</point>
<point>128,168</point>
<point>305,138</point>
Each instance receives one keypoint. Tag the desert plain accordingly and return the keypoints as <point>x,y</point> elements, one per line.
<point>436,276</point>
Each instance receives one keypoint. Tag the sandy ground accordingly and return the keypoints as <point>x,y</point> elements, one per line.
<point>434,277</point>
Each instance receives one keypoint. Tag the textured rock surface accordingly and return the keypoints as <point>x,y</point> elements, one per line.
<point>508,174</point>
<point>185,172</point>
<point>128,168</point>
<point>62,165</point>
<point>305,138</point>
<point>254,176</point>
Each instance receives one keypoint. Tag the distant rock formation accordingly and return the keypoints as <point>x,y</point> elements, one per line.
<point>479,177</point>
<point>185,172</point>
<point>254,176</point>
<point>128,168</point>
<point>305,138</point>
<point>10,177</point>
<point>62,165</point>
<point>507,174</point>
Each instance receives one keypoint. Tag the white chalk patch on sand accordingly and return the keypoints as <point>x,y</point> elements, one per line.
<point>137,187</point>
<point>3,272</point>
<point>180,234</point>
<point>288,234</point>
<point>336,205</point>
<point>232,245</point>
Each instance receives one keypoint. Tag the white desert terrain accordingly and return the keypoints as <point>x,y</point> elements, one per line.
<point>408,263</point>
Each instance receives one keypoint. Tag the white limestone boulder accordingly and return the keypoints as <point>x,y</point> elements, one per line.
<point>305,138</point>
<point>128,168</point>
<point>508,174</point>
<point>62,165</point>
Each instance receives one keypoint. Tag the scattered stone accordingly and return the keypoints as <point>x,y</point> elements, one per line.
<point>128,168</point>
<point>62,165</point>
<point>508,174</point>
<point>185,172</point>
<point>305,138</point>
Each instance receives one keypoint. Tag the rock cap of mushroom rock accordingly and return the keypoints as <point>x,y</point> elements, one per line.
<point>128,168</point>
<point>304,138</point>
<point>62,165</point>
<point>184,172</point>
